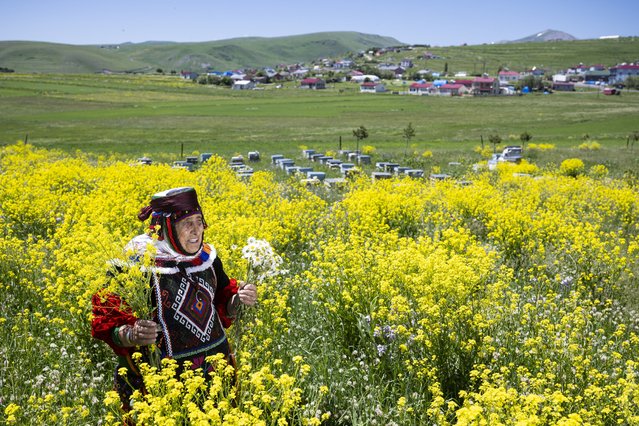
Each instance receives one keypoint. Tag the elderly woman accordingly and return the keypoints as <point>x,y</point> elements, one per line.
<point>193,297</point>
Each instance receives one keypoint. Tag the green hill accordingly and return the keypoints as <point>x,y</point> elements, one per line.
<point>26,56</point>
<point>43,57</point>
<point>235,53</point>
<point>550,55</point>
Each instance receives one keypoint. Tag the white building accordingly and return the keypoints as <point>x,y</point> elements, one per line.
<point>620,73</point>
<point>508,77</point>
<point>372,87</point>
<point>243,85</point>
<point>362,78</point>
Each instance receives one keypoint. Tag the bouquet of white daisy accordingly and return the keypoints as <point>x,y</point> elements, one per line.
<point>262,261</point>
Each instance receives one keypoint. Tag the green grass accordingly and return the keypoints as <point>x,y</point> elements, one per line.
<point>159,116</point>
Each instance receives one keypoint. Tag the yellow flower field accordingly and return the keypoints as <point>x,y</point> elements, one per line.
<point>509,300</point>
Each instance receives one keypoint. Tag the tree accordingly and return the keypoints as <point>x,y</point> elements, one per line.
<point>530,81</point>
<point>409,133</point>
<point>494,139</point>
<point>360,134</point>
<point>334,77</point>
<point>369,70</point>
<point>525,137</point>
<point>632,82</point>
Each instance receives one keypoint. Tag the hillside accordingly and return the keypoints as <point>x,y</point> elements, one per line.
<point>260,52</point>
<point>551,56</point>
<point>221,55</point>
<point>27,56</point>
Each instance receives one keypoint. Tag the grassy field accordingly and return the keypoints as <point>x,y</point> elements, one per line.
<point>161,117</point>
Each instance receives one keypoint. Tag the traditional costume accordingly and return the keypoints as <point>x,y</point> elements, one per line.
<point>190,293</point>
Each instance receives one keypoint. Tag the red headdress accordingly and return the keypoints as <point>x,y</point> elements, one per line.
<point>168,208</point>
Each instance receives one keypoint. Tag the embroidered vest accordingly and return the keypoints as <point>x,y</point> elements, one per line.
<point>187,314</point>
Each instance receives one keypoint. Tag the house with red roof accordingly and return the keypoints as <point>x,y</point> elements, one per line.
<point>188,75</point>
<point>619,73</point>
<point>453,89</point>
<point>508,77</point>
<point>467,83</point>
<point>485,86</point>
<point>420,88</point>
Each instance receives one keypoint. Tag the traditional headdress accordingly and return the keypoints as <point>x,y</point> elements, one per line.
<point>169,207</point>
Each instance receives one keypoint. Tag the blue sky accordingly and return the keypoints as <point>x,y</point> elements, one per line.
<point>409,21</point>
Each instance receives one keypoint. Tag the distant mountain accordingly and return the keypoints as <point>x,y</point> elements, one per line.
<point>547,35</point>
<point>24,56</point>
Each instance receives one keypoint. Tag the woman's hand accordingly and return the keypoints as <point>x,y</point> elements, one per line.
<point>142,333</point>
<point>247,294</point>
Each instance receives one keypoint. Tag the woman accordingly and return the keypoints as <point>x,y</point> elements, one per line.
<point>193,297</point>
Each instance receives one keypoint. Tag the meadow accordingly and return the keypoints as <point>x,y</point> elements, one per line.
<point>163,117</point>
<point>501,297</point>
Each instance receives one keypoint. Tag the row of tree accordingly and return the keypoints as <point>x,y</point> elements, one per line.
<point>409,133</point>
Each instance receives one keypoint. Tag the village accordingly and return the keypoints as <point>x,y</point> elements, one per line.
<point>322,168</point>
<point>372,78</point>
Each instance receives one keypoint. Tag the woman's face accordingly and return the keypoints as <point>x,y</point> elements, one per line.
<point>190,232</point>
